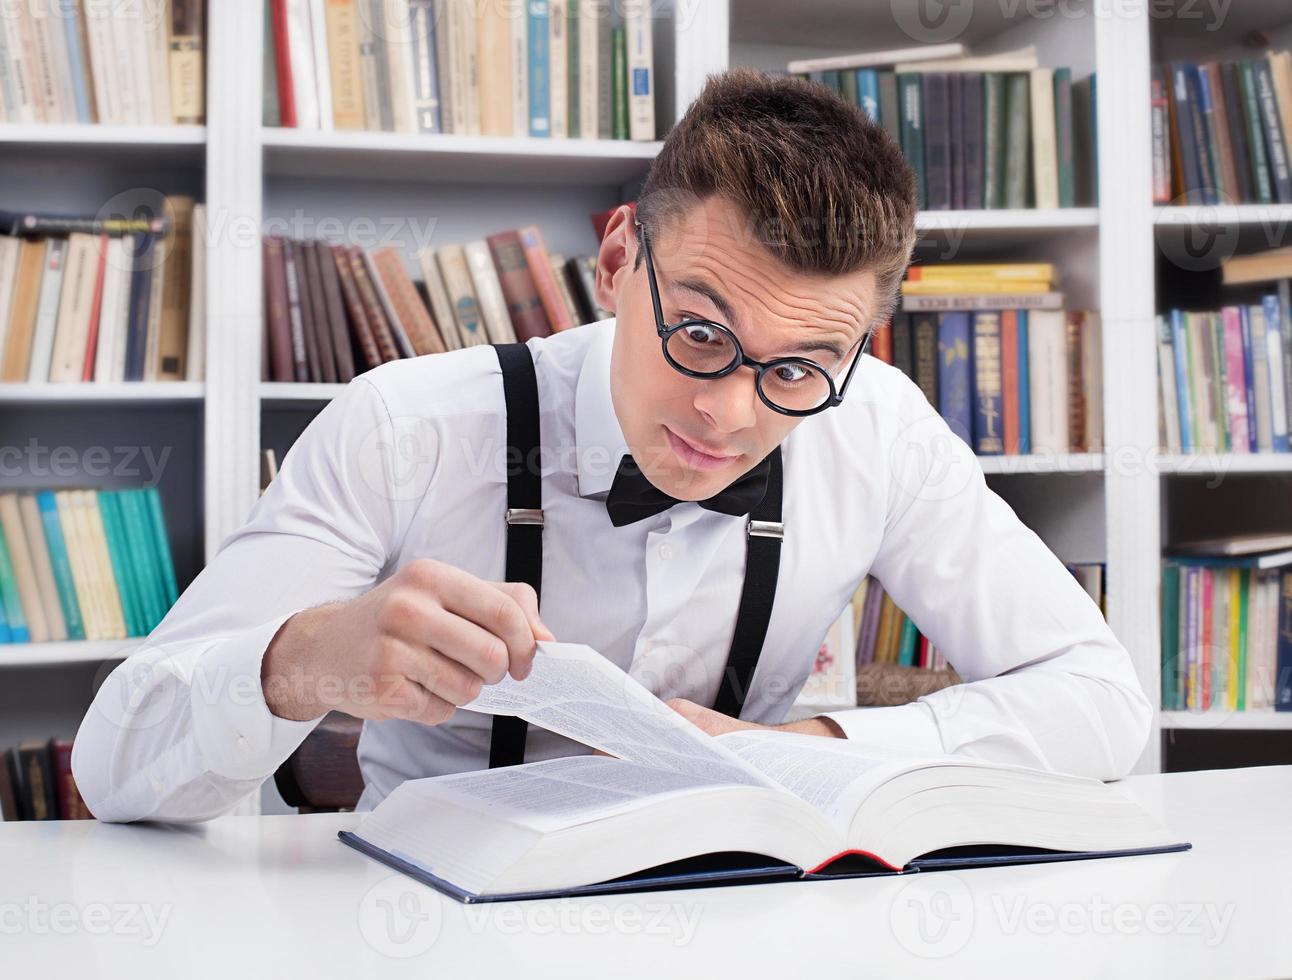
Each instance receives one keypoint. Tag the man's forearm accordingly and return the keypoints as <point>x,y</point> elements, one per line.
<point>814,726</point>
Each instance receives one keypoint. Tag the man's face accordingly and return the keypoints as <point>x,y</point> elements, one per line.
<point>693,437</point>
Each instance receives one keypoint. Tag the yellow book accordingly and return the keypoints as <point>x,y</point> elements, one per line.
<point>105,577</point>
<point>342,18</point>
<point>978,286</point>
<point>86,596</point>
<point>993,270</point>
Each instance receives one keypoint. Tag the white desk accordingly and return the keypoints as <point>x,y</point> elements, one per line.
<point>281,896</point>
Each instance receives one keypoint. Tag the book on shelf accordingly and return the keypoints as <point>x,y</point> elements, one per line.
<point>333,311</point>
<point>1010,377</point>
<point>1221,130</point>
<point>82,564</point>
<point>996,131</point>
<point>671,806</point>
<point>84,299</point>
<point>549,68</point>
<point>36,782</point>
<point>1227,626</point>
<point>80,61</point>
<point>1223,377</point>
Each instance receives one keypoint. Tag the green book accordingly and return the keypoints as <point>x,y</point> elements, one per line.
<point>1170,636</point>
<point>848,86</point>
<point>910,640</point>
<point>993,140</point>
<point>138,539</point>
<point>889,115</point>
<point>913,129</point>
<point>1018,141</point>
<point>1215,333</point>
<point>619,76</point>
<point>13,614</point>
<point>119,555</point>
<point>62,564</point>
<point>1193,357</point>
<point>572,74</point>
<point>1065,137</point>
<point>832,81</point>
<point>1244,579</point>
<point>1255,134</point>
<point>161,542</point>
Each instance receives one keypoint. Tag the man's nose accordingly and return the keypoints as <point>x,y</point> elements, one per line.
<point>730,403</point>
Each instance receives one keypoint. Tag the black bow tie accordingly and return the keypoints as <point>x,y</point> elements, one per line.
<point>634,498</point>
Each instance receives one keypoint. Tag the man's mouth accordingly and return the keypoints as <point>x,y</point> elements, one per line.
<point>697,456</point>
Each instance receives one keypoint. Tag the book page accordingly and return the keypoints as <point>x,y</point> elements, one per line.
<point>576,692</point>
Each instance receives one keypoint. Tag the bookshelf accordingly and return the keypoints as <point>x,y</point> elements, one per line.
<point>1107,507</point>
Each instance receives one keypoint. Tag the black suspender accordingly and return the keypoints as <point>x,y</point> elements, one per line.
<point>764,533</point>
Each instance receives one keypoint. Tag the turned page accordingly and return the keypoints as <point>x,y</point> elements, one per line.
<point>576,692</point>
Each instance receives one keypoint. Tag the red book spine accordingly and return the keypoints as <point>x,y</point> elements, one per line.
<point>286,98</point>
<point>354,305</point>
<point>882,345</point>
<point>523,303</point>
<point>92,339</point>
<point>540,269</point>
<point>1010,393</point>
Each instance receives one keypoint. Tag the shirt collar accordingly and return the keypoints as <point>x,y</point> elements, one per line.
<point>597,434</point>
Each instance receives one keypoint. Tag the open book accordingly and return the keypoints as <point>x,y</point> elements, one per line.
<point>676,807</point>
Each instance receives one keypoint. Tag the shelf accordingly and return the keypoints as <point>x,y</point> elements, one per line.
<point>146,145</point>
<point>298,391</point>
<point>1219,464</point>
<point>1188,215</point>
<point>94,393</point>
<point>1043,463</point>
<point>1228,720</point>
<point>1017,219</point>
<point>407,156</point>
<point>66,652</point>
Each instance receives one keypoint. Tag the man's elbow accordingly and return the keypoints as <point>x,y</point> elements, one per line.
<point>1128,721</point>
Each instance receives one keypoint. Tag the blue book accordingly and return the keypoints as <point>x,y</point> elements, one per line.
<point>61,563</point>
<point>76,60</point>
<point>1179,347</point>
<point>1249,387</point>
<point>1209,165</point>
<point>1278,383</point>
<point>955,373</point>
<point>868,92</point>
<point>426,80</point>
<point>1024,388</point>
<point>13,614</point>
<point>6,635</point>
<point>989,406</point>
<point>1283,663</point>
<point>141,277</point>
<point>540,116</point>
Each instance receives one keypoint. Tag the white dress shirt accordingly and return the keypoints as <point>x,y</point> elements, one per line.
<point>409,461</point>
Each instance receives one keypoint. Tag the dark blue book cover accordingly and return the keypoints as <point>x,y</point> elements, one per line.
<point>955,373</point>
<point>1024,388</point>
<point>1283,663</point>
<point>1179,347</point>
<point>1249,388</point>
<point>1182,100</point>
<point>141,278</point>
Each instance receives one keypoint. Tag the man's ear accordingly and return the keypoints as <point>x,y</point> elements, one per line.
<point>615,257</point>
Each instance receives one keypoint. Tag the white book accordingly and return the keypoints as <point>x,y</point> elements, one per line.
<point>44,70</point>
<point>1166,376</point>
<point>399,65</point>
<point>34,527</point>
<point>641,69</point>
<point>9,249</point>
<point>131,53</point>
<point>665,792</point>
<point>156,286</point>
<point>51,283</point>
<point>488,290</point>
<point>558,68</point>
<point>114,311</point>
<point>1045,157</point>
<point>874,59</point>
<point>1260,380</point>
<point>23,563</point>
<point>322,63</point>
<point>300,54</point>
<point>1021,60</point>
<point>75,308</point>
<point>1278,385</point>
<point>9,104</point>
<point>520,74</point>
<point>468,37</point>
<point>100,36</point>
<point>1047,363</point>
<point>452,68</point>
<point>590,14</point>
<point>52,21</point>
<point>195,367</point>
<point>441,308</point>
<point>157,38</point>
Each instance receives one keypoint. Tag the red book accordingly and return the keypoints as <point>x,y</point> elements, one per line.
<point>523,303</point>
<point>286,98</point>
<point>540,269</point>
<point>92,339</point>
<point>1010,393</point>
<point>882,345</point>
<point>602,218</point>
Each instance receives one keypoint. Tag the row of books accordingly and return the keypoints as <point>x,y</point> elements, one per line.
<point>84,61</point>
<point>1221,130</point>
<point>88,299</point>
<point>1007,380</point>
<point>1223,378</point>
<point>1227,627</point>
<point>980,132</point>
<point>79,564</point>
<point>886,635</point>
<point>546,68</point>
<point>332,310</point>
<point>36,782</point>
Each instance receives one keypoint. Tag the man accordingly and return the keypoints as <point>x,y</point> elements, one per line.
<point>769,241</point>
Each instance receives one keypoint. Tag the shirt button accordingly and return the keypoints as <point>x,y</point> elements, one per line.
<point>666,551</point>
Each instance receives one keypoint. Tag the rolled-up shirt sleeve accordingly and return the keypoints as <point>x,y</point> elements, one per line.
<point>181,730</point>
<point>1047,684</point>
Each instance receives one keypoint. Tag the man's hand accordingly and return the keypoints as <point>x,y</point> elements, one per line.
<point>715,723</point>
<point>415,647</point>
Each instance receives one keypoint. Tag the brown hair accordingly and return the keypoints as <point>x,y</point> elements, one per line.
<point>824,188</point>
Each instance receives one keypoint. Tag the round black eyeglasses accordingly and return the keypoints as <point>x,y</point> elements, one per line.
<point>703,349</point>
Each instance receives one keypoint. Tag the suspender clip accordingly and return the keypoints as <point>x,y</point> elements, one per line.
<point>765,529</point>
<point>521,515</point>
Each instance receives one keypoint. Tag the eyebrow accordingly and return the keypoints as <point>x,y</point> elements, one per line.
<point>702,288</point>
